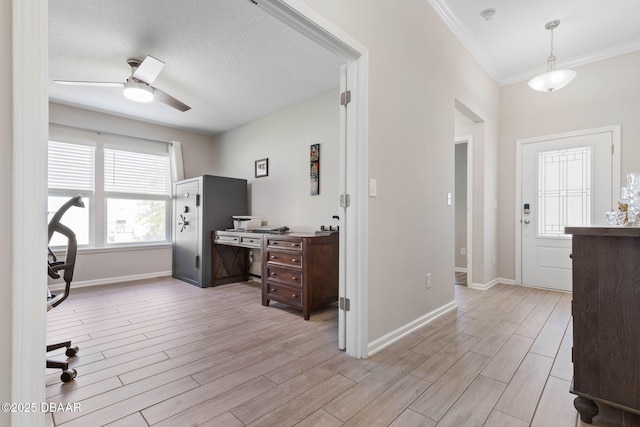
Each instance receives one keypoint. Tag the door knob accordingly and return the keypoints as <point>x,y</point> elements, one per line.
<point>526,221</point>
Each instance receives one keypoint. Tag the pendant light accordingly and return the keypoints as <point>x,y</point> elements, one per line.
<point>553,79</point>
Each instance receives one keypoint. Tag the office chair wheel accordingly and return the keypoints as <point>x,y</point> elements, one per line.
<point>68,375</point>
<point>72,351</point>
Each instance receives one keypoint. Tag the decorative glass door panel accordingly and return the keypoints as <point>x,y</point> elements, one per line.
<point>564,190</point>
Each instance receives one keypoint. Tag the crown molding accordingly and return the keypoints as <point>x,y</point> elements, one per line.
<point>464,37</point>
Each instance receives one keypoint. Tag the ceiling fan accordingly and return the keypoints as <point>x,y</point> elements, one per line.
<point>138,85</point>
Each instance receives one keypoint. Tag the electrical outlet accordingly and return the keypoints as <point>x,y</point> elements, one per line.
<point>463,251</point>
<point>428,280</point>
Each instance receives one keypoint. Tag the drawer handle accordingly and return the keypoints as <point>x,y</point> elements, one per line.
<point>295,245</point>
<point>273,274</point>
<point>274,243</point>
<point>274,290</point>
<point>294,278</point>
<point>295,260</point>
<point>274,257</point>
<point>294,295</point>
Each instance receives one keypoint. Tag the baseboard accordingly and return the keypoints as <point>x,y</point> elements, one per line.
<point>460,269</point>
<point>388,339</point>
<point>485,286</point>
<point>110,280</point>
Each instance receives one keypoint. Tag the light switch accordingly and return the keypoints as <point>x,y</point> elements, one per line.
<point>373,187</point>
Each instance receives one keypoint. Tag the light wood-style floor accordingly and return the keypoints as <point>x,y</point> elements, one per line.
<point>165,353</point>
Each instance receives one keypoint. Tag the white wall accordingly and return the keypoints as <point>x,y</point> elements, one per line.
<point>96,266</point>
<point>283,198</point>
<point>6,138</point>
<point>417,69</point>
<point>603,93</point>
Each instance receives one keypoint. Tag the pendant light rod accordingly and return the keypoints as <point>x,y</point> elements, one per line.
<point>551,60</point>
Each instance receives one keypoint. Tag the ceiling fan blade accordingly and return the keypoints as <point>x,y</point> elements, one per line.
<point>148,70</point>
<point>96,84</point>
<point>169,100</point>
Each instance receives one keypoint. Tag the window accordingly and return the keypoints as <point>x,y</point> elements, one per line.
<point>125,185</point>
<point>71,172</point>
<point>136,189</point>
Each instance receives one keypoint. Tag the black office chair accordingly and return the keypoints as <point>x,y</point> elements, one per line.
<point>54,267</point>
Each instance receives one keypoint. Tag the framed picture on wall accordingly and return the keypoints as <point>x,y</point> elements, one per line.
<point>314,171</point>
<point>262,168</point>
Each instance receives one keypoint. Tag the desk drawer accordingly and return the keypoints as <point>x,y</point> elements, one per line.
<point>284,258</point>
<point>284,294</point>
<point>278,243</point>
<point>251,241</point>
<point>288,277</point>
<point>227,240</point>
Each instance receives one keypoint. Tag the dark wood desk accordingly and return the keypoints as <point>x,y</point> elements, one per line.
<point>230,255</point>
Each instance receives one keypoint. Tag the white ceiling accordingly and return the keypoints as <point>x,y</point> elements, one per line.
<point>233,63</point>
<point>230,61</point>
<point>514,45</point>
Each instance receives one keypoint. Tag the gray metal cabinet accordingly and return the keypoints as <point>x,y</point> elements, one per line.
<point>200,206</point>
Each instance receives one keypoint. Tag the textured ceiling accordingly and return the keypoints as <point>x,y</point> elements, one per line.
<point>514,45</point>
<point>230,61</point>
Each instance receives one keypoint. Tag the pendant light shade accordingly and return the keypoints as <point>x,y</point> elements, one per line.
<point>553,79</point>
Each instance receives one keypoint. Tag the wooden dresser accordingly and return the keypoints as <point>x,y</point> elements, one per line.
<point>606,318</point>
<point>300,270</point>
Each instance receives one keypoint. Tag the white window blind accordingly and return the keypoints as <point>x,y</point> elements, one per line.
<point>71,166</point>
<point>136,173</point>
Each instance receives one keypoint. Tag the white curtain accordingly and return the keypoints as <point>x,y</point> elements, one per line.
<point>175,159</point>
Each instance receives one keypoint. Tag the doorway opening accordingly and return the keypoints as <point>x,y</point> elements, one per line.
<point>468,126</point>
<point>461,204</point>
<point>30,130</point>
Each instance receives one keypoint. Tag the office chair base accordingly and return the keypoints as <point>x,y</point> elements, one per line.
<point>67,374</point>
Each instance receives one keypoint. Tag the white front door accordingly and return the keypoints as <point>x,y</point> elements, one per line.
<point>566,181</point>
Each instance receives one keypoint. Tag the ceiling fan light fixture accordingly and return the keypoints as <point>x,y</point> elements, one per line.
<point>553,79</point>
<point>138,92</point>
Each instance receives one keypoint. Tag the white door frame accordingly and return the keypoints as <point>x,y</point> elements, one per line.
<point>469,141</point>
<point>615,185</point>
<point>301,17</point>
<point>30,130</point>
<point>30,124</point>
